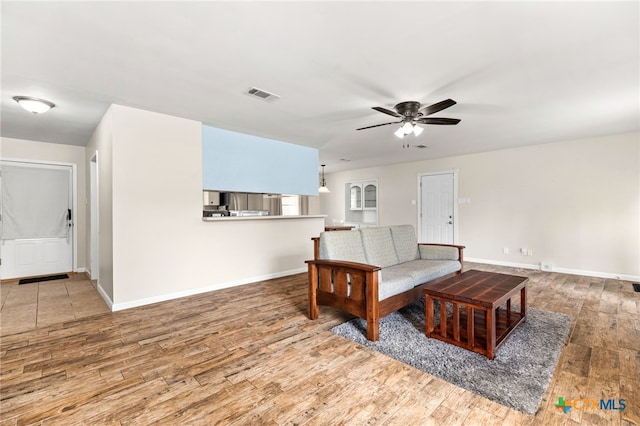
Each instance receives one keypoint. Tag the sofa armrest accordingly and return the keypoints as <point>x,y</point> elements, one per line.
<point>316,247</point>
<point>433,251</point>
<point>349,286</point>
<point>344,264</point>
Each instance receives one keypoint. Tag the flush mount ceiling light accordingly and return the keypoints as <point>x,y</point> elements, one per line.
<point>323,183</point>
<point>34,105</point>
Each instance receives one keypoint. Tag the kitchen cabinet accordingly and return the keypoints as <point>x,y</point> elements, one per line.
<point>370,195</point>
<point>356,196</point>
<point>210,198</point>
<point>363,195</point>
<point>361,202</point>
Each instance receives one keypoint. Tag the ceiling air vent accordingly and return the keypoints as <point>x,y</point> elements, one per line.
<point>261,94</point>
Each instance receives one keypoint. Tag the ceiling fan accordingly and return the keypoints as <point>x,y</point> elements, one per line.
<point>413,113</point>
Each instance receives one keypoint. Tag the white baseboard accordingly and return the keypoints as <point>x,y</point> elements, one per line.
<point>191,292</point>
<point>569,271</point>
<point>105,297</point>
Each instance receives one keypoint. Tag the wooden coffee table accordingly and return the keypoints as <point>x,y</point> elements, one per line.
<point>481,303</point>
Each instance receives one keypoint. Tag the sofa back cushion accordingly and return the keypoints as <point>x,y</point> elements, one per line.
<point>404,240</point>
<point>378,246</point>
<point>342,245</point>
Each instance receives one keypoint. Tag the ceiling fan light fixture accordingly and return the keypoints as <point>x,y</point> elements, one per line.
<point>412,113</point>
<point>34,105</point>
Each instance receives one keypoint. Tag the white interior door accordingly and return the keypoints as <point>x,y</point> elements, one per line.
<point>37,228</point>
<point>437,208</point>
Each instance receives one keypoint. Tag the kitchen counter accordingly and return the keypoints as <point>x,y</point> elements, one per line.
<point>338,228</point>
<point>232,218</point>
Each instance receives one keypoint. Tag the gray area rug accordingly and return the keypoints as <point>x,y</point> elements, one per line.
<point>517,377</point>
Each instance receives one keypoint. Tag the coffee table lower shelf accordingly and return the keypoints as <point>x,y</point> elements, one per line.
<point>472,335</point>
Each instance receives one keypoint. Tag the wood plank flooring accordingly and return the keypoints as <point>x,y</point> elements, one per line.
<point>249,355</point>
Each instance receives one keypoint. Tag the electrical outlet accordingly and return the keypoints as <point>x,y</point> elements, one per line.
<point>529,252</point>
<point>505,250</point>
<point>523,251</point>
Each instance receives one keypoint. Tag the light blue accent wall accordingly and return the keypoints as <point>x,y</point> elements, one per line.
<point>239,162</point>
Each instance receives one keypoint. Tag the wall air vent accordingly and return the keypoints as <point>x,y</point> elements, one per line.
<point>261,94</point>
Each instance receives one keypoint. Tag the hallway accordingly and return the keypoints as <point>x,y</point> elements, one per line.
<point>29,306</point>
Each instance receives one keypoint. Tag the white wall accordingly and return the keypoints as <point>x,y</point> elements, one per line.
<point>50,152</point>
<point>161,247</point>
<point>101,144</point>
<point>576,204</point>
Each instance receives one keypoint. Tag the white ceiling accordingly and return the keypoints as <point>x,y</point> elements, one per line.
<point>522,72</point>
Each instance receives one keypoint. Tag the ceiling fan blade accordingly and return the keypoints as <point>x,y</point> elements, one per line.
<point>378,125</point>
<point>387,111</point>
<point>432,109</point>
<point>436,120</point>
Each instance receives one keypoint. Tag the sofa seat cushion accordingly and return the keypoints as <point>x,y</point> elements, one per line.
<point>422,271</point>
<point>392,282</point>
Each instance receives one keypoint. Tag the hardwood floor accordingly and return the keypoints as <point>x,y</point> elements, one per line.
<point>249,355</point>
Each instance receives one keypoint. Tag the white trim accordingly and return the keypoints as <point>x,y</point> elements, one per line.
<point>74,216</point>
<point>105,296</point>
<point>94,194</point>
<point>213,287</point>
<point>570,271</point>
<point>454,200</point>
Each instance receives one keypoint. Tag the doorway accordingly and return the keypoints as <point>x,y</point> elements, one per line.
<point>437,209</point>
<point>37,217</point>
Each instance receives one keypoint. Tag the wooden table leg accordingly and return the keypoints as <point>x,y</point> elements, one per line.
<point>471,338</point>
<point>428,315</point>
<point>491,332</point>
<point>523,303</point>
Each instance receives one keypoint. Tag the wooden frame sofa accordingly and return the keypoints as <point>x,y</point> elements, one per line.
<point>371,272</point>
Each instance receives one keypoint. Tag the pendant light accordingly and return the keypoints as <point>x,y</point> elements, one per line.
<point>323,183</point>
<point>34,105</point>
